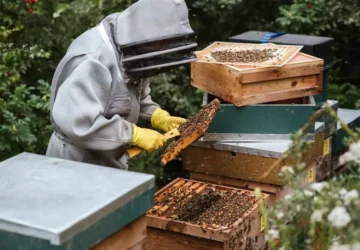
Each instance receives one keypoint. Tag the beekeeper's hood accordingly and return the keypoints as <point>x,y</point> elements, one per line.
<point>153,36</point>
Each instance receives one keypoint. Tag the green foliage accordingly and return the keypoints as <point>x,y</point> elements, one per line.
<point>217,20</point>
<point>337,19</point>
<point>348,95</point>
<point>21,103</point>
<point>322,215</point>
<point>177,95</point>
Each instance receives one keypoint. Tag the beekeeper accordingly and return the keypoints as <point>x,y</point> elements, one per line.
<point>100,88</point>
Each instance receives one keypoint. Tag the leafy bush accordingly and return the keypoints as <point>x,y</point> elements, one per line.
<point>324,215</point>
<point>24,103</point>
<point>337,19</point>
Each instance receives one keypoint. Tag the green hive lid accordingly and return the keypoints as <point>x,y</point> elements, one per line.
<point>55,200</point>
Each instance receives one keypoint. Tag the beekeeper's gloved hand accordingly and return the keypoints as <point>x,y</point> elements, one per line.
<point>147,139</point>
<point>161,119</point>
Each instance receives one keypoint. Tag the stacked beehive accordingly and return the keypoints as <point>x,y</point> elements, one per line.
<point>265,97</point>
<point>261,104</point>
<point>320,47</point>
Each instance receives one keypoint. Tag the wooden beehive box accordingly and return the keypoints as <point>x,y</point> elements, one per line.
<point>248,160</point>
<point>294,75</point>
<point>242,166</point>
<point>202,212</point>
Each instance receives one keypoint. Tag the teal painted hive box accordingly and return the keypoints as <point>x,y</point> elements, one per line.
<point>279,118</point>
<point>54,204</point>
<point>352,119</point>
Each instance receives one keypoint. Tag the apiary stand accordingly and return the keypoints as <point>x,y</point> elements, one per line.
<point>54,204</point>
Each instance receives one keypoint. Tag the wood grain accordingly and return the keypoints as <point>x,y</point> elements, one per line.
<point>244,166</point>
<point>279,85</point>
<point>230,164</point>
<point>287,71</point>
<point>126,238</point>
<point>218,80</point>
<point>244,85</point>
<point>166,240</point>
<point>279,95</point>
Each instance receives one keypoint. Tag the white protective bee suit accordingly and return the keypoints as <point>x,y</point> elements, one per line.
<point>101,86</point>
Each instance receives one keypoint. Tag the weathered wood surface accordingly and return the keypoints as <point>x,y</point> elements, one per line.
<point>244,166</point>
<point>141,245</point>
<point>245,85</point>
<point>230,164</point>
<point>234,165</point>
<point>127,238</point>
<point>159,239</point>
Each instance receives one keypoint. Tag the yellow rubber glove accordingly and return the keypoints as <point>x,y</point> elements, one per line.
<point>161,119</point>
<point>147,139</point>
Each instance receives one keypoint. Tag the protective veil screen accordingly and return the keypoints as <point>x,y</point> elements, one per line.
<point>152,58</point>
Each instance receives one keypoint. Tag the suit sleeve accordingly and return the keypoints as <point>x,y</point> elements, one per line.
<point>79,106</point>
<point>147,106</point>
